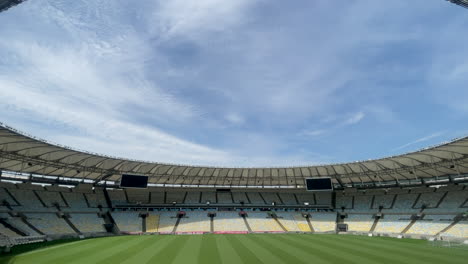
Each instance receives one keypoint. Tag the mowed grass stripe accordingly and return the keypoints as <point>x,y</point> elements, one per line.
<point>245,254</point>
<point>228,254</point>
<point>414,244</point>
<point>127,252</point>
<point>360,253</point>
<point>61,255</point>
<point>156,244</point>
<point>98,255</point>
<point>405,250</point>
<point>304,253</point>
<point>209,252</point>
<point>169,251</point>
<point>328,253</point>
<point>259,250</point>
<point>191,251</point>
<point>275,249</point>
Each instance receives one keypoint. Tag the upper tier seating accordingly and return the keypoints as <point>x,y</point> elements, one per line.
<point>28,200</point>
<point>362,203</point>
<point>288,198</point>
<point>323,198</point>
<point>4,196</point>
<point>305,198</point>
<point>224,198</point>
<point>255,198</point>
<point>345,201</point>
<point>383,200</point>
<point>157,197</point>
<point>95,199</point>
<point>137,196</point>
<point>51,198</point>
<point>451,202</point>
<point>430,200</point>
<point>271,198</point>
<point>404,203</point>
<point>177,197</point>
<point>76,202</point>
<point>208,197</point>
<point>193,198</point>
<point>117,197</point>
<point>239,197</point>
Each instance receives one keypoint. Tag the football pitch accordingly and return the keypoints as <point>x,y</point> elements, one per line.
<point>251,248</point>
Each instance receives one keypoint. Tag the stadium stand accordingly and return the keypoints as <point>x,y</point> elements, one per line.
<point>260,222</point>
<point>458,230</point>
<point>152,223</point>
<point>128,221</point>
<point>167,221</point>
<point>137,196</point>
<point>359,222</point>
<point>229,222</point>
<point>88,222</point>
<point>323,222</point>
<point>430,225</point>
<point>49,223</point>
<point>288,198</point>
<point>194,222</point>
<point>193,198</point>
<point>157,197</point>
<point>224,198</point>
<point>177,197</point>
<point>393,223</point>
<point>240,197</point>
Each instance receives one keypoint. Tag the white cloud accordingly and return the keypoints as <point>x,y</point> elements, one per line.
<point>192,18</point>
<point>313,133</point>
<point>235,118</point>
<point>354,119</point>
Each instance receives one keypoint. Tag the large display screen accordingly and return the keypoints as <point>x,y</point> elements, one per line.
<point>319,184</point>
<point>133,181</point>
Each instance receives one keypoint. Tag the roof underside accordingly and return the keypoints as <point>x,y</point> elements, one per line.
<point>21,153</point>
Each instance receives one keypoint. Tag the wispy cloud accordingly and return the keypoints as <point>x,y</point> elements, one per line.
<point>313,133</point>
<point>354,119</point>
<point>420,140</point>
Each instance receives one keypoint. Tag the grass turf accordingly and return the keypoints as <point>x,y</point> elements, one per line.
<point>252,248</point>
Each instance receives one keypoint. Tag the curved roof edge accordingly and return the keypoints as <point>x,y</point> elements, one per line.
<point>25,153</point>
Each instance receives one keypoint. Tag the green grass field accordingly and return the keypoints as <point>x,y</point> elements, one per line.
<point>252,248</point>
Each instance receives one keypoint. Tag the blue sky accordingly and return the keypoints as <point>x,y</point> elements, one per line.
<point>236,83</point>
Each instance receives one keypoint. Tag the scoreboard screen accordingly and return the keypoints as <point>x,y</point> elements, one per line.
<point>133,181</point>
<point>319,184</point>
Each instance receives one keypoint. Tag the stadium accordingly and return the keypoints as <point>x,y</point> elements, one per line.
<point>60,204</point>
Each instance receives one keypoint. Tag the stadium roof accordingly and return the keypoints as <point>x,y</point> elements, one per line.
<point>463,3</point>
<point>6,4</point>
<point>26,154</point>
